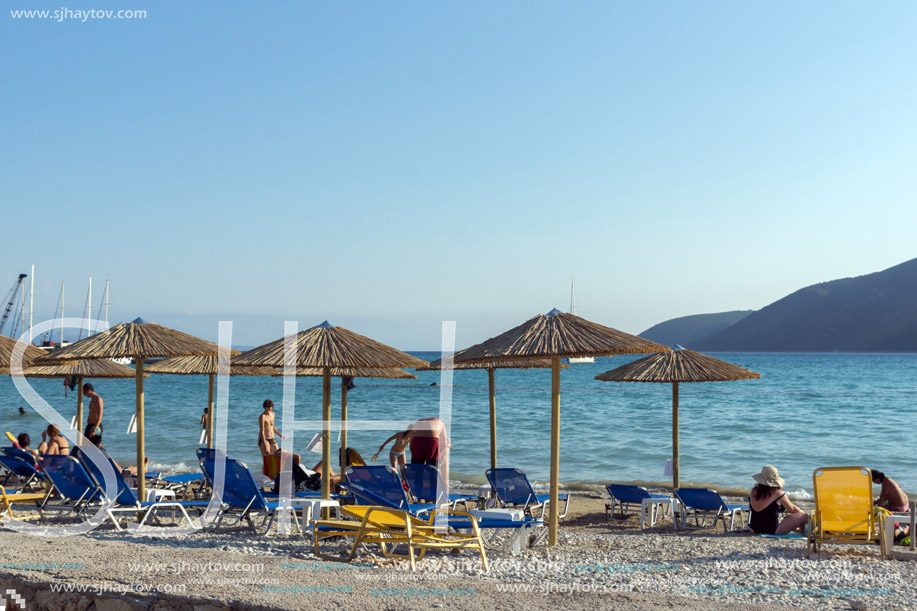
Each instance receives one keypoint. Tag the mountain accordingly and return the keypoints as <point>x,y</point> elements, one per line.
<point>872,313</point>
<point>689,331</point>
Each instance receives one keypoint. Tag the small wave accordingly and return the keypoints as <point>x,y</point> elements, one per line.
<point>800,495</point>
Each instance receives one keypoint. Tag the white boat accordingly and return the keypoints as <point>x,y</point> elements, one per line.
<point>576,359</point>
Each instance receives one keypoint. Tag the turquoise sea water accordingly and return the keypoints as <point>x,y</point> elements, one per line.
<point>807,411</point>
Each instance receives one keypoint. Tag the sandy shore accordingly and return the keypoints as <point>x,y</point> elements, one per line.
<point>598,564</point>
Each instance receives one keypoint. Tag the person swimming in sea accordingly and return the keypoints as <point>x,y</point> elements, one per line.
<point>22,411</point>
<point>396,454</point>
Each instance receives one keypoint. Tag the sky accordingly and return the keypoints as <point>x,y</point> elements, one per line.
<point>388,166</point>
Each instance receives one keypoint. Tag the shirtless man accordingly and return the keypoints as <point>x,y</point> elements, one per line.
<point>430,444</point>
<point>94,425</point>
<point>892,496</point>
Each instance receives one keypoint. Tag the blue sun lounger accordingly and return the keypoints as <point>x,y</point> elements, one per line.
<point>72,483</point>
<point>241,495</point>
<point>379,485</point>
<point>21,464</point>
<point>624,495</point>
<point>209,455</point>
<point>424,482</point>
<point>125,499</point>
<point>703,503</point>
<point>385,490</point>
<point>514,489</point>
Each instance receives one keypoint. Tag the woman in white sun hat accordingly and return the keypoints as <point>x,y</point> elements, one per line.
<point>768,500</point>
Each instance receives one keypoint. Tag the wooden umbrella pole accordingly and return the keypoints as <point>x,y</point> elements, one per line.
<point>326,446</point>
<point>141,467</point>
<point>675,480</point>
<point>493,420</point>
<point>210,414</point>
<point>555,448</point>
<point>79,407</point>
<point>343,454</point>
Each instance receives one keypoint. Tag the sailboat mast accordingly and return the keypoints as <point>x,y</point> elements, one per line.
<point>106,304</point>
<point>572,295</point>
<point>89,310</point>
<point>61,314</point>
<point>31,301</point>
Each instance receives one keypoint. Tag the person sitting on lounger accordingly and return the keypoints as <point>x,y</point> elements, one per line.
<point>53,442</point>
<point>768,500</point>
<point>892,496</point>
<point>334,478</point>
<point>24,442</point>
<point>396,454</point>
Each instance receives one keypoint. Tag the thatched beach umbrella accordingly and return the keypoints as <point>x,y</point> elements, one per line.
<point>7,344</point>
<point>208,366</point>
<point>138,340</point>
<point>326,347</point>
<point>556,335</point>
<point>96,368</point>
<point>490,366</point>
<point>673,367</point>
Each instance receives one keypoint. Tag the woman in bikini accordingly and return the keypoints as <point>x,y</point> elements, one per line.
<point>396,454</point>
<point>768,500</point>
<point>267,440</point>
<point>52,442</point>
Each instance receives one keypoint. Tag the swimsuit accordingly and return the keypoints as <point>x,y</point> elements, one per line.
<point>424,450</point>
<point>94,436</point>
<point>765,522</point>
<point>899,509</point>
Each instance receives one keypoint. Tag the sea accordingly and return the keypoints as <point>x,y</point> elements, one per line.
<point>807,411</point>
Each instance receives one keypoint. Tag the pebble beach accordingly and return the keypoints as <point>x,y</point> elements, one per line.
<point>597,564</point>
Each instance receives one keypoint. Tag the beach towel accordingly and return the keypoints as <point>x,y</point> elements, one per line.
<point>786,536</point>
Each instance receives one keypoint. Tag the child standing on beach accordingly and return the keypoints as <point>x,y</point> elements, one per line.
<point>396,454</point>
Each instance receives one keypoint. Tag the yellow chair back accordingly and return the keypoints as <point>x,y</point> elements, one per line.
<point>843,498</point>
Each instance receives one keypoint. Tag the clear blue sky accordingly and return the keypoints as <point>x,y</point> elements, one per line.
<point>389,165</point>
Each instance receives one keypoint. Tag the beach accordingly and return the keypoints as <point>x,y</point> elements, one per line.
<point>610,432</point>
<point>597,564</point>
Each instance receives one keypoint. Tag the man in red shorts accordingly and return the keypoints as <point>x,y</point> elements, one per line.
<point>430,445</point>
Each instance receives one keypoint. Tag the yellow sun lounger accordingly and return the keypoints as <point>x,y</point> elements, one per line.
<point>844,511</point>
<point>7,499</point>
<point>387,526</point>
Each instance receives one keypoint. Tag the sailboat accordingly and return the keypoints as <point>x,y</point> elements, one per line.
<point>576,359</point>
<point>124,360</point>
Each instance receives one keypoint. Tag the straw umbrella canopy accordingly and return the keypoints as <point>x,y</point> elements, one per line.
<point>344,374</point>
<point>555,335</point>
<point>674,367</point>
<point>326,347</point>
<point>7,344</point>
<point>490,366</point>
<point>203,365</point>
<point>97,368</point>
<point>137,339</point>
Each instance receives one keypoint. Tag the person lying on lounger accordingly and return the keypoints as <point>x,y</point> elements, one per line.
<point>767,500</point>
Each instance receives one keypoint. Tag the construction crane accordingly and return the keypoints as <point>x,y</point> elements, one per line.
<point>11,299</point>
